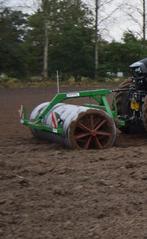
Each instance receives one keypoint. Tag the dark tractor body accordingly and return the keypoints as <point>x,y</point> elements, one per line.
<point>131,99</point>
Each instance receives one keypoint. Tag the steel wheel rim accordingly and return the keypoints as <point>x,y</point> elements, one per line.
<point>93,131</point>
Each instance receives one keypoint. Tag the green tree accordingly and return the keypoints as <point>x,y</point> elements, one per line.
<point>12,33</point>
<point>117,56</point>
<point>70,38</point>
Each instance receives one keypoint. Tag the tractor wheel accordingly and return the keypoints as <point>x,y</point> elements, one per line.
<point>122,98</point>
<point>122,102</point>
<point>145,113</point>
<point>92,130</point>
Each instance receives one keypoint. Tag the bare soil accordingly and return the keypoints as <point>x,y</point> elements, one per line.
<point>50,192</point>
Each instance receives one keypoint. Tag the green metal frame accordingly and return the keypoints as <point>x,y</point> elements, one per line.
<point>100,96</point>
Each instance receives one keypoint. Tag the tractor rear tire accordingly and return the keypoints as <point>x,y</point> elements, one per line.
<point>121,98</point>
<point>122,102</point>
<point>145,113</point>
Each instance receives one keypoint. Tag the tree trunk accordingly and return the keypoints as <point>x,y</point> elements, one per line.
<point>144,21</point>
<point>45,61</point>
<point>96,38</point>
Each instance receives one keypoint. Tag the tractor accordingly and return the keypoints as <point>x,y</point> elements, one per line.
<point>93,125</point>
<point>131,99</point>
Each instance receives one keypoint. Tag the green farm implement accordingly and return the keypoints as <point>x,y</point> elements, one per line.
<point>93,125</point>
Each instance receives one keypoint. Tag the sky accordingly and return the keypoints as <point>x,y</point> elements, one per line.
<point>117,24</point>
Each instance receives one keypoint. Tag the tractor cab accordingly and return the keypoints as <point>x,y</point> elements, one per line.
<point>139,73</point>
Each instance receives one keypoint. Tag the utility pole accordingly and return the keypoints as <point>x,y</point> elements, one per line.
<point>96,38</point>
<point>144,21</point>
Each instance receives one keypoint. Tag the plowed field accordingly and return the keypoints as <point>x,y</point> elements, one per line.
<point>50,192</point>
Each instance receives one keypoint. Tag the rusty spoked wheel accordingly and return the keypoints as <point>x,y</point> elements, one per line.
<point>93,129</point>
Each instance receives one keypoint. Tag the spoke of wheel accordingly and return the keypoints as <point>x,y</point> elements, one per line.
<point>100,146</point>
<point>103,133</point>
<point>100,124</point>
<point>82,126</point>
<point>82,135</point>
<point>92,121</point>
<point>88,143</point>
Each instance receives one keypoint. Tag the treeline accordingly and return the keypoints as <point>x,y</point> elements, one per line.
<point>71,44</point>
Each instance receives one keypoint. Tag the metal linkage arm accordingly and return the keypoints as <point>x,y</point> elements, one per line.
<point>60,97</point>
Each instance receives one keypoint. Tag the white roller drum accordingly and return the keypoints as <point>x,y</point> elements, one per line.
<point>80,125</point>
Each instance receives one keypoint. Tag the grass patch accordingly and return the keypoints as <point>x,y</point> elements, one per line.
<point>8,82</point>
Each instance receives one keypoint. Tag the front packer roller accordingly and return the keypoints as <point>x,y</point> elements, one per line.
<point>91,126</point>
